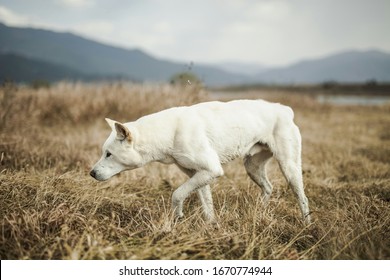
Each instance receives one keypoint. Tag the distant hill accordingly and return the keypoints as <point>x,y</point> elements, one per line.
<point>72,56</point>
<point>346,67</point>
<point>93,58</point>
<point>21,69</point>
<point>247,69</point>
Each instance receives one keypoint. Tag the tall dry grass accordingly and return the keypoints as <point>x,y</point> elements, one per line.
<point>51,209</point>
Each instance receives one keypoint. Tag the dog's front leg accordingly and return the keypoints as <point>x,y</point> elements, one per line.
<point>206,199</point>
<point>205,196</point>
<point>200,179</point>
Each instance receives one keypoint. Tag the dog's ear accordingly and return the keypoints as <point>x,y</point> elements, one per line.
<point>111,123</point>
<point>122,132</point>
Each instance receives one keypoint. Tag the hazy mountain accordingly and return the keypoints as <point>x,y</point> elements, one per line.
<point>25,70</point>
<point>93,58</point>
<point>349,67</point>
<point>69,55</point>
<point>21,69</point>
<point>248,69</point>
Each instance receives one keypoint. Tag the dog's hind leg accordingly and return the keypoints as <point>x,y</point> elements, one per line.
<point>205,197</point>
<point>288,154</point>
<point>256,167</point>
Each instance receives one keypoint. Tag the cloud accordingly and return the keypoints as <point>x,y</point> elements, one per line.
<point>12,18</point>
<point>273,32</point>
<point>270,10</point>
<point>96,27</point>
<point>78,3</point>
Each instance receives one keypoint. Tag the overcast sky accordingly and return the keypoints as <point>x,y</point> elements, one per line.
<point>270,32</point>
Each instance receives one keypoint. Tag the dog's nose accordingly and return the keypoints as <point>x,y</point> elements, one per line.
<point>93,173</point>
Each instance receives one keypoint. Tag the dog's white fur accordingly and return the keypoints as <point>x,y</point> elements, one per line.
<point>200,138</point>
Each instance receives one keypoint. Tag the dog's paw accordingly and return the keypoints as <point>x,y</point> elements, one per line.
<point>178,218</point>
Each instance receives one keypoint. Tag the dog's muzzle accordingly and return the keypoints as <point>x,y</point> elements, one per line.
<point>93,173</point>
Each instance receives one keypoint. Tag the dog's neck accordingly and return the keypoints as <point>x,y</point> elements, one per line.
<point>153,144</point>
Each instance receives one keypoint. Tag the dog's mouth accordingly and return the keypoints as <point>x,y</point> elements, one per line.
<point>96,176</point>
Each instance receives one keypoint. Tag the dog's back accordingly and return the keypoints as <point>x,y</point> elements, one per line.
<point>230,128</point>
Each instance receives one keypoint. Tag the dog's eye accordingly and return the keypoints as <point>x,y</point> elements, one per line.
<point>108,154</point>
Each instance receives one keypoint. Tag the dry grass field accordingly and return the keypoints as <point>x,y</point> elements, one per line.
<point>50,208</point>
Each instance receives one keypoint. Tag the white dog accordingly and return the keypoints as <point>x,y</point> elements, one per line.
<point>200,138</point>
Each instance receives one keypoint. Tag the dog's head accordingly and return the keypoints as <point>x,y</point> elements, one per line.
<point>118,153</point>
